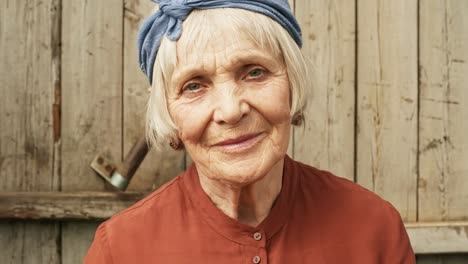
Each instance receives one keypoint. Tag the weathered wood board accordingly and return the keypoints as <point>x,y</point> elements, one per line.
<point>30,242</point>
<point>91,89</point>
<point>76,239</point>
<point>387,101</point>
<point>442,237</point>
<point>159,166</point>
<point>92,103</point>
<point>443,148</point>
<point>26,137</point>
<point>65,205</point>
<point>327,140</point>
<point>443,185</point>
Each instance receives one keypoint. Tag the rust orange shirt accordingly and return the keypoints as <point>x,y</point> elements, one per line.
<point>317,218</point>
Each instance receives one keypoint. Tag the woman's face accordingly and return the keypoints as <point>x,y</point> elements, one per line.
<point>230,102</point>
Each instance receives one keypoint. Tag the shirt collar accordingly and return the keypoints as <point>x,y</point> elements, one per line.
<point>230,228</point>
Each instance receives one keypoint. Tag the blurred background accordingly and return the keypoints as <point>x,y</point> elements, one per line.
<point>388,110</point>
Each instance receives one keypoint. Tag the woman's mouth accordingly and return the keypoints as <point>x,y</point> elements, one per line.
<point>240,144</point>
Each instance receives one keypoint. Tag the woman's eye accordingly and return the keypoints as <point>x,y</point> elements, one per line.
<point>192,87</point>
<point>255,73</point>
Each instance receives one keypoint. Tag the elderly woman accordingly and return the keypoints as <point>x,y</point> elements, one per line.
<point>228,81</point>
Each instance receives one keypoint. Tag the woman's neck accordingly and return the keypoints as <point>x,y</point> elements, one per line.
<point>249,204</point>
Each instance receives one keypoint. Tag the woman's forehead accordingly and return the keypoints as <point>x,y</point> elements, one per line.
<point>225,51</point>
<point>224,44</point>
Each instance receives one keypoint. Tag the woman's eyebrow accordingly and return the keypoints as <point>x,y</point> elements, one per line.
<point>188,70</point>
<point>251,57</point>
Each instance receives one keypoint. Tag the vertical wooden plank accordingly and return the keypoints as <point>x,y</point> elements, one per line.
<point>327,140</point>
<point>91,103</point>
<point>26,139</point>
<point>387,101</point>
<point>26,90</point>
<point>92,89</point>
<point>29,242</point>
<point>443,115</point>
<point>77,238</point>
<point>159,166</point>
<point>444,110</point>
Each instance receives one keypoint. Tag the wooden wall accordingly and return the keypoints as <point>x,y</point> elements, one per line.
<point>388,107</point>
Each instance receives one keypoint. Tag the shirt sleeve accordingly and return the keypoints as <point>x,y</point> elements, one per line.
<point>99,251</point>
<point>398,248</point>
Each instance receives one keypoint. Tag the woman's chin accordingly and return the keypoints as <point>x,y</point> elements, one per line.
<point>241,172</point>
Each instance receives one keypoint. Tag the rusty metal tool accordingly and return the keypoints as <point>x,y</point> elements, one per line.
<point>119,175</point>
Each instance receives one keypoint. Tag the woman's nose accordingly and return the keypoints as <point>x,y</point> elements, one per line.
<point>230,107</point>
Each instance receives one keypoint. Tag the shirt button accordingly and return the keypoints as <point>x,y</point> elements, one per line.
<point>257,236</point>
<point>256,259</point>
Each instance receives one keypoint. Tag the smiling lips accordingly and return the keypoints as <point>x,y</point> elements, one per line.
<point>240,143</point>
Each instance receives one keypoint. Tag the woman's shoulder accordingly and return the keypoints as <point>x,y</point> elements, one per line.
<point>340,206</point>
<point>338,194</point>
<point>327,182</point>
<point>133,229</point>
<point>155,206</point>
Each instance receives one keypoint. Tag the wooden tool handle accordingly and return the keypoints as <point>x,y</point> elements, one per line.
<point>134,158</point>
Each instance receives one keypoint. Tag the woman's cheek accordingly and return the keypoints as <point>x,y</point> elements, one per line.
<point>192,119</point>
<point>272,101</point>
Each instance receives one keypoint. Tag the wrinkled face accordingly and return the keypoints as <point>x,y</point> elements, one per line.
<point>230,102</point>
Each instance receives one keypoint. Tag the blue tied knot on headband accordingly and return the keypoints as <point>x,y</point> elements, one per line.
<point>176,13</point>
<point>168,21</point>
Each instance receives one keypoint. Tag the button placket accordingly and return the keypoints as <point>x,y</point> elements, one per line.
<point>260,242</point>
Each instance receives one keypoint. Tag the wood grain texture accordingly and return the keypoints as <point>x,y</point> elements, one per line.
<point>26,146</point>
<point>91,103</point>
<point>448,237</point>
<point>29,242</point>
<point>387,101</point>
<point>74,250</point>
<point>443,116</point>
<point>443,185</point>
<point>159,166</point>
<point>26,135</point>
<point>91,89</point>
<point>65,205</point>
<point>327,140</point>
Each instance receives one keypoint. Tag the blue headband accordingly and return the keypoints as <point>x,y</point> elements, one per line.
<point>168,20</point>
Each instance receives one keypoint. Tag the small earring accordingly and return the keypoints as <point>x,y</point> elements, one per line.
<point>297,119</point>
<point>176,145</point>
